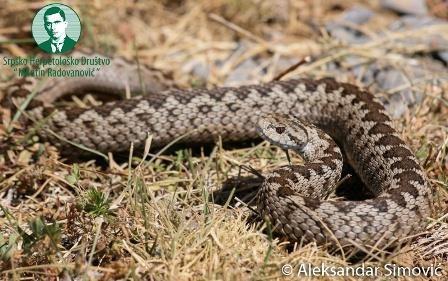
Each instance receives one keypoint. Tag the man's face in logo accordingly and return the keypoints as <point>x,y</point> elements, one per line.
<point>55,25</point>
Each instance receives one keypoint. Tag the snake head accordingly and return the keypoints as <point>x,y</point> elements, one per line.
<point>284,131</point>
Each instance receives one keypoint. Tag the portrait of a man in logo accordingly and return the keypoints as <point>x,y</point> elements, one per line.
<point>56,28</point>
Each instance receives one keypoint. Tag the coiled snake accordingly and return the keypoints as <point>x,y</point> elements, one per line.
<point>291,196</point>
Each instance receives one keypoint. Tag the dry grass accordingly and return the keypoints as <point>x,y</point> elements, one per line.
<point>155,217</point>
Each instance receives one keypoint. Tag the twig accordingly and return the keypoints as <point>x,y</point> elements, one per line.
<point>237,28</point>
<point>293,67</point>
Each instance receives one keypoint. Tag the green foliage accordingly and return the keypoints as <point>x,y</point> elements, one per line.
<point>7,246</point>
<point>96,203</point>
<point>74,176</point>
<point>39,231</point>
<point>423,152</point>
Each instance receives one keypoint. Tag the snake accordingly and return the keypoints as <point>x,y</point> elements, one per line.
<point>316,118</point>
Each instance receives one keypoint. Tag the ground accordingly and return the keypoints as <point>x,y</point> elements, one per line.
<point>165,216</point>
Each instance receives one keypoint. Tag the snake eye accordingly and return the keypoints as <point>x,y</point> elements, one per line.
<point>280,130</point>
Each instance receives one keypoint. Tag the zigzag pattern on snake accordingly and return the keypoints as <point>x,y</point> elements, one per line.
<point>353,117</point>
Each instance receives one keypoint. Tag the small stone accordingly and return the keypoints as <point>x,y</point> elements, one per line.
<point>241,73</point>
<point>413,7</point>
<point>357,14</point>
<point>390,79</point>
<point>412,22</point>
<point>346,34</point>
<point>443,56</point>
<point>395,106</point>
<point>197,68</point>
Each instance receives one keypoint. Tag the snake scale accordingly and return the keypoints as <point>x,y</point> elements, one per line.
<point>291,196</point>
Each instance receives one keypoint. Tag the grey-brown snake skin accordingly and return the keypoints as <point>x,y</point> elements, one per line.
<point>348,114</point>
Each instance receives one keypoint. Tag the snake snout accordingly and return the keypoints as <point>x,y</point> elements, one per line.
<point>282,130</point>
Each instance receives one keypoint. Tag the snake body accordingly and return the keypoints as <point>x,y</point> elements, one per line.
<point>350,115</point>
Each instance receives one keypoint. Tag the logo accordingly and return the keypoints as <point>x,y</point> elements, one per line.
<point>56,28</point>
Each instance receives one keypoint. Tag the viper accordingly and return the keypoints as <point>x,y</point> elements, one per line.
<point>303,115</point>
